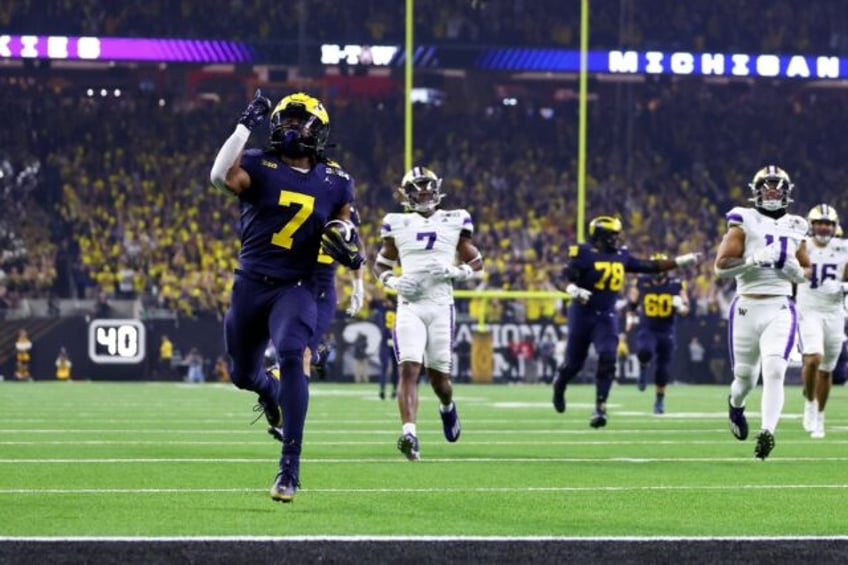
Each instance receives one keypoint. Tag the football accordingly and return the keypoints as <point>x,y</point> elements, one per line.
<point>340,240</point>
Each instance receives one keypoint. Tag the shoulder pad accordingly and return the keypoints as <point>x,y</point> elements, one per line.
<point>736,215</point>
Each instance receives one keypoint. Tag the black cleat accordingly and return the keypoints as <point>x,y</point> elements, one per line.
<point>408,445</point>
<point>599,419</point>
<point>738,422</point>
<point>450,424</point>
<point>271,410</point>
<point>559,394</point>
<point>286,483</point>
<point>276,433</point>
<point>765,443</point>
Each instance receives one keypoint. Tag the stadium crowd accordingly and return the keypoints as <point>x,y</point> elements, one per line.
<point>125,207</point>
<point>698,24</point>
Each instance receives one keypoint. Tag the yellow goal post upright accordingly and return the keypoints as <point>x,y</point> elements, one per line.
<point>482,343</point>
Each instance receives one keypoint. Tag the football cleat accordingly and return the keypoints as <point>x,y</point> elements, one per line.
<point>276,433</point>
<point>659,407</point>
<point>738,422</point>
<point>765,443</point>
<point>286,483</point>
<point>408,445</point>
<point>599,418</point>
<point>270,407</point>
<point>559,394</point>
<point>450,424</point>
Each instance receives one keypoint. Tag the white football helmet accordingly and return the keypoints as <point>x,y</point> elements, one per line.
<point>420,190</point>
<point>824,223</point>
<point>771,187</point>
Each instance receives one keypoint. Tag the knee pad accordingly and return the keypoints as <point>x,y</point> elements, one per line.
<point>644,357</point>
<point>291,363</point>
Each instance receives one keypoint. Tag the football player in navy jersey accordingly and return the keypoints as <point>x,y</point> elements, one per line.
<point>595,272</point>
<point>287,193</point>
<point>657,299</point>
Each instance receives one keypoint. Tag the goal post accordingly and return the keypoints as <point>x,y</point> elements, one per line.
<point>482,353</point>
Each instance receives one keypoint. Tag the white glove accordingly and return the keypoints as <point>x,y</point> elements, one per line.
<point>405,285</point>
<point>766,256</point>
<point>677,302</point>
<point>793,271</point>
<point>581,295</point>
<point>687,260</point>
<point>357,297</point>
<point>444,272</point>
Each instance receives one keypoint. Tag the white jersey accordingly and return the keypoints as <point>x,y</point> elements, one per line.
<point>824,293</point>
<point>761,230</point>
<point>422,240</point>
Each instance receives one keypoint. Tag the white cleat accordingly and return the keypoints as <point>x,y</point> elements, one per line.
<point>811,407</point>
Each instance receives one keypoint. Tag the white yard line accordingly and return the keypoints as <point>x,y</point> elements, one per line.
<point>510,489</point>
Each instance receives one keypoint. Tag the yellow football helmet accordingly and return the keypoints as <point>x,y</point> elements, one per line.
<point>300,126</point>
<point>604,232</point>
<point>771,187</point>
<point>824,223</point>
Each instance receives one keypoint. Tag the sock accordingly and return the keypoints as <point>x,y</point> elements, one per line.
<point>774,367</point>
<point>445,408</point>
<point>294,400</point>
<point>409,428</point>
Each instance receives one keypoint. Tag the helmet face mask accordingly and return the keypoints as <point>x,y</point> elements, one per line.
<point>771,188</point>
<point>604,232</point>
<point>824,223</point>
<point>420,190</point>
<point>300,126</point>
<point>663,275</point>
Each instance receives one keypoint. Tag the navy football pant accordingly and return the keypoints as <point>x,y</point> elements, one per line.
<point>285,313</point>
<point>649,342</point>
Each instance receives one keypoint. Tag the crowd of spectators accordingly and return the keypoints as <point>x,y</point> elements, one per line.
<point>117,200</point>
<point>742,25</point>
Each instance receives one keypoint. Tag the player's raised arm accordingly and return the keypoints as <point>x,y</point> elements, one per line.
<point>227,174</point>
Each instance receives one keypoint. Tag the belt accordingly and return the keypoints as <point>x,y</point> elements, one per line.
<point>265,279</point>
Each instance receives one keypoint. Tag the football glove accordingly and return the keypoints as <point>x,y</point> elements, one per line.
<point>687,260</point>
<point>676,302</point>
<point>404,285</point>
<point>443,272</point>
<point>793,271</point>
<point>357,298</point>
<point>340,241</point>
<point>581,295</point>
<point>256,111</point>
<point>766,256</point>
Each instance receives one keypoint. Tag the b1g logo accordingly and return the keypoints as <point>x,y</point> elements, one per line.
<point>116,341</point>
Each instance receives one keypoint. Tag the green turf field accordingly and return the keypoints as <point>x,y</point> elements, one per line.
<point>145,459</point>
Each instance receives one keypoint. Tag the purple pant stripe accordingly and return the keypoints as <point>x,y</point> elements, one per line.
<point>791,342</point>
<point>730,319</point>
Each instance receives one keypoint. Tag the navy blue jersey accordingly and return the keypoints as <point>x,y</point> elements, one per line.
<point>284,212</point>
<point>656,311</point>
<point>599,272</point>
